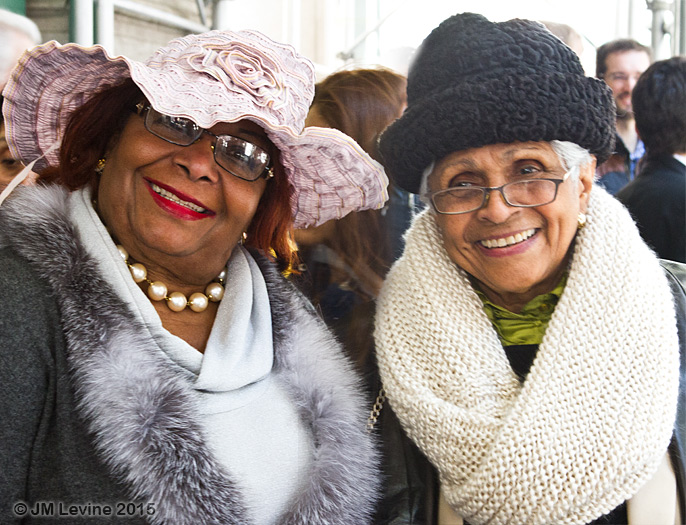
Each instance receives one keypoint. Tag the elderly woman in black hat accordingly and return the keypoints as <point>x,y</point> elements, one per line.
<point>528,340</point>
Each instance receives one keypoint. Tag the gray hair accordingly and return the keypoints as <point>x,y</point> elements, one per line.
<point>572,157</point>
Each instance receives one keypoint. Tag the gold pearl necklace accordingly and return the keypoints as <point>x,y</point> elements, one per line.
<point>176,301</point>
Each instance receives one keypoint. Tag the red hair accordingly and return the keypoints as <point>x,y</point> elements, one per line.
<point>361,103</point>
<point>95,125</point>
<point>271,229</point>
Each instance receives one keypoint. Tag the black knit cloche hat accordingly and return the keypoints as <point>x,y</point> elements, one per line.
<point>474,83</point>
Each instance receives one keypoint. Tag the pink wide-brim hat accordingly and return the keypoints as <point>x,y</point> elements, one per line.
<point>219,76</point>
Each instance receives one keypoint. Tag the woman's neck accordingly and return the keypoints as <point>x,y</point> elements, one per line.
<point>516,301</point>
<point>192,327</point>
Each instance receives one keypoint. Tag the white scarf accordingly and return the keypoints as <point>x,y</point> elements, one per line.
<point>591,423</point>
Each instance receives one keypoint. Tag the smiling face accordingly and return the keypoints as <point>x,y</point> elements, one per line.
<point>514,253</point>
<point>172,207</point>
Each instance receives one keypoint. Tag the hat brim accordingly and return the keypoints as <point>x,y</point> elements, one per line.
<point>330,173</point>
<point>49,82</point>
<point>491,110</point>
<point>353,180</point>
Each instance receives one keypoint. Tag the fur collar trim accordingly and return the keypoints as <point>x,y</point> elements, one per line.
<point>142,414</point>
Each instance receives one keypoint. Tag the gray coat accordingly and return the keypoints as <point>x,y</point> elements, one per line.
<point>91,416</point>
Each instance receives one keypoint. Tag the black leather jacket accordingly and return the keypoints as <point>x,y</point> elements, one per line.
<point>410,483</point>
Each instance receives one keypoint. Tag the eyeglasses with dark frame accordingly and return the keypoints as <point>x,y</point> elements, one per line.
<point>521,194</point>
<point>239,157</point>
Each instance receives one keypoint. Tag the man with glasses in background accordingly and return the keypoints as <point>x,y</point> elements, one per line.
<point>619,63</point>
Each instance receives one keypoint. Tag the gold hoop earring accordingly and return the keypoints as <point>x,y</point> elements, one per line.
<point>100,166</point>
<point>580,220</point>
<point>244,237</point>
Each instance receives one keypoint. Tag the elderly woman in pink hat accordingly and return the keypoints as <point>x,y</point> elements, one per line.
<point>154,364</point>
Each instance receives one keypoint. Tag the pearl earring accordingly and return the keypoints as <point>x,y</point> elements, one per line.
<point>580,220</point>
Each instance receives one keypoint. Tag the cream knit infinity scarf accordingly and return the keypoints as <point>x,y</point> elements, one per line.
<point>592,421</point>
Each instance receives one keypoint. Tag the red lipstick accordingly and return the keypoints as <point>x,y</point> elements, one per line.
<point>174,207</point>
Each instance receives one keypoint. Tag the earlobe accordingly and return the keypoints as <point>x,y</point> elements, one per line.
<point>586,178</point>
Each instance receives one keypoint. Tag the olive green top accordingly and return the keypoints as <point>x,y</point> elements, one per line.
<point>528,326</point>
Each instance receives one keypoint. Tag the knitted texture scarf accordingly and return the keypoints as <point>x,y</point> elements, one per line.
<point>593,419</point>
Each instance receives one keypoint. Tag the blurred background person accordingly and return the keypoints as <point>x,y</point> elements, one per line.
<point>17,34</point>
<point>620,63</point>
<point>344,264</point>
<point>9,166</point>
<point>344,261</point>
<point>656,198</point>
<point>567,34</point>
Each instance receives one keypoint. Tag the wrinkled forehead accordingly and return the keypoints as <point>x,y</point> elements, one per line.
<point>494,155</point>
<point>490,158</point>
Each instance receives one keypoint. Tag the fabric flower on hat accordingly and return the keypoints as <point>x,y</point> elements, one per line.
<point>253,73</point>
<point>268,83</point>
